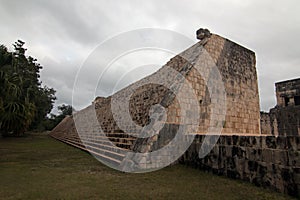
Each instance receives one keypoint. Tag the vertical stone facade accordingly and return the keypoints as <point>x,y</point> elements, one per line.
<point>284,118</point>
<point>237,67</point>
<point>288,93</point>
<point>267,161</point>
<point>265,124</point>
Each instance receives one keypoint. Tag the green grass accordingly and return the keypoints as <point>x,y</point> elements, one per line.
<point>39,167</point>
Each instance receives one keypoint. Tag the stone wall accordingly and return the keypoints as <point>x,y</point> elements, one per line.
<point>285,121</point>
<point>288,92</point>
<point>284,118</point>
<point>265,124</point>
<point>264,160</point>
<point>267,161</point>
<point>236,65</point>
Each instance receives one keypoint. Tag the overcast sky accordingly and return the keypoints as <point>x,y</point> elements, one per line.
<point>62,34</point>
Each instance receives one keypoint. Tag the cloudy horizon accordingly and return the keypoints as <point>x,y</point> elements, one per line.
<point>62,34</point>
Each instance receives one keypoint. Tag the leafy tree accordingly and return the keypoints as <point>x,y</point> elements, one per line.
<point>24,102</point>
<point>65,110</point>
<point>53,120</point>
<point>44,105</point>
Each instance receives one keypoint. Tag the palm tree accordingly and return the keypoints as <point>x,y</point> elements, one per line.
<point>16,110</point>
<point>23,101</point>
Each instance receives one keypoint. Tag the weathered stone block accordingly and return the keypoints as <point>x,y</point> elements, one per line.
<point>292,143</point>
<point>244,141</point>
<point>271,142</point>
<point>228,140</point>
<point>267,155</point>
<point>281,142</point>
<point>280,157</point>
<point>294,158</point>
<point>235,140</point>
<point>228,150</point>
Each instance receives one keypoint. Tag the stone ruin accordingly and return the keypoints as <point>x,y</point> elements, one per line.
<point>284,118</point>
<point>261,148</point>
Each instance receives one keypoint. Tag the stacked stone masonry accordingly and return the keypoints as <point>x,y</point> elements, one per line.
<point>284,118</point>
<point>268,161</point>
<point>237,67</point>
<point>241,152</point>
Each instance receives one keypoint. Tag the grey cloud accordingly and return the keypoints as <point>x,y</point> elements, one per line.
<point>61,34</point>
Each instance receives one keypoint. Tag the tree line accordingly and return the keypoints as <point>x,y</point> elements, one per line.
<point>25,103</point>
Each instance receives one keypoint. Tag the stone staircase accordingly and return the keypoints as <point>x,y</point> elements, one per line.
<point>110,148</point>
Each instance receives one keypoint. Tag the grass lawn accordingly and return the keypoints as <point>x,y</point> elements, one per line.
<point>39,167</point>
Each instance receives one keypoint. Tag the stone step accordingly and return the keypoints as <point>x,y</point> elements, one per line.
<point>109,146</point>
<point>110,154</point>
<point>121,142</point>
